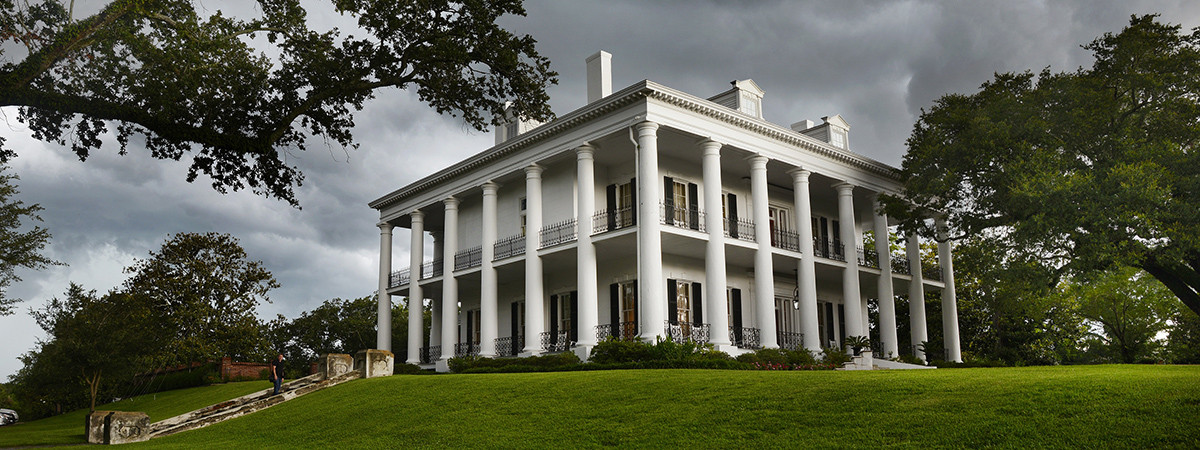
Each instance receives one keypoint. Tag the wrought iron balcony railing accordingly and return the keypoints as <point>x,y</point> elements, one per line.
<point>787,240</point>
<point>687,332</point>
<point>868,257</point>
<point>741,229</point>
<point>466,259</point>
<point>745,337</point>
<point>791,340</point>
<point>556,342</point>
<point>829,250</point>
<point>432,269</point>
<point>510,246</point>
<point>900,265</point>
<point>612,219</point>
<point>624,331</point>
<point>510,346</point>
<point>681,217</point>
<point>466,349</point>
<point>931,271</point>
<point>399,278</point>
<point>430,354</point>
<point>558,233</point>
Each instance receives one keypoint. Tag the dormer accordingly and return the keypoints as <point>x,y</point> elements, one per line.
<point>833,130</point>
<point>745,96</point>
<point>511,126</point>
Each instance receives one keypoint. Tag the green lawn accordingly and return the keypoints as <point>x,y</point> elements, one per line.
<point>68,428</point>
<point>1079,406</point>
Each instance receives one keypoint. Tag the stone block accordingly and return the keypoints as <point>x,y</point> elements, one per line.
<point>334,365</point>
<point>122,427</point>
<point>374,363</point>
<point>94,424</point>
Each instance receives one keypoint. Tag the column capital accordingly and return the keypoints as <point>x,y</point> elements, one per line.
<point>533,171</point>
<point>585,151</point>
<point>489,187</point>
<point>646,128</point>
<point>450,202</point>
<point>416,215</point>
<point>757,161</point>
<point>710,147</point>
<point>844,188</point>
<point>385,227</point>
<point>799,174</point>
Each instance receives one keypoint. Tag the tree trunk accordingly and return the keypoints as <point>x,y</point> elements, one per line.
<point>1182,280</point>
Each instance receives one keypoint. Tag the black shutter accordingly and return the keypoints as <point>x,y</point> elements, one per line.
<point>828,324</point>
<point>668,201</point>
<point>553,319</point>
<point>637,305</point>
<point>614,308</point>
<point>731,205</point>
<point>672,307</point>
<point>735,298</point>
<point>470,338</point>
<point>633,201</point>
<point>611,202</point>
<point>515,323</point>
<point>841,324</point>
<point>697,305</point>
<point>574,333</point>
<point>693,206</point>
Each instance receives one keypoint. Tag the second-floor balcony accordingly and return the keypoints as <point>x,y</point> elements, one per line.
<point>829,250</point>
<point>868,257</point>
<point>399,278</point>
<point>681,217</point>
<point>612,219</point>
<point>900,265</point>
<point>558,233</point>
<point>432,269</point>
<point>784,239</point>
<point>739,229</point>
<point>466,259</point>
<point>509,246</point>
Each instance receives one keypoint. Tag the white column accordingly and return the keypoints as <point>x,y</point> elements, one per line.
<point>949,302</point>
<point>416,299</point>
<point>652,301</point>
<point>383,333</point>
<point>764,272</point>
<point>488,312</point>
<point>887,297</point>
<point>806,272</point>
<point>715,281</point>
<point>850,289</point>
<point>916,297</point>
<point>586,282</point>
<point>535,318</point>
<point>449,283</point>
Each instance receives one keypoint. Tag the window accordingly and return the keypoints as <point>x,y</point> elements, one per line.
<point>511,130</point>
<point>564,313</point>
<point>784,319</point>
<point>837,138</point>
<point>679,195</point>
<point>683,305</point>
<point>779,222</point>
<point>473,326</point>
<point>523,207</point>
<point>624,212</point>
<point>628,302</point>
<point>749,105</point>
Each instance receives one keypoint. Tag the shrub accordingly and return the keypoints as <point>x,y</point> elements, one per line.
<point>911,359</point>
<point>544,363</point>
<point>835,356</point>
<point>406,369</point>
<point>778,356</point>
<point>612,350</point>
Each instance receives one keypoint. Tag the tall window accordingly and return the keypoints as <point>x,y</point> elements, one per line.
<point>564,313</point>
<point>679,194</point>
<point>784,321</point>
<point>473,318</point>
<point>837,138</point>
<point>683,304</point>
<point>779,222</point>
<point>624,205</point>
<point>523,205</point>
<point>628,302</point>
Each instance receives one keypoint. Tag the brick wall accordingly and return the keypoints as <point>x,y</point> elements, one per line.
<point>244,370</point>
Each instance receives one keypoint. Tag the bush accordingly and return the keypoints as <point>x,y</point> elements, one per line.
<point>801,357</point>
<point>911,359</point>
<point>544,363</point>
<point>612,350</point>
<point>407,369</point>
<point>835,356</point>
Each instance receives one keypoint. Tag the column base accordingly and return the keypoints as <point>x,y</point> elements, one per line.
<point>441,366</point>
<point>731,350</point>
<point>528,353</point>
<point>583,351</point>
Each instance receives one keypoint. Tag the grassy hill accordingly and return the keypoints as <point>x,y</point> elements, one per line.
<point>1080,406</point>
<point>68,428</point>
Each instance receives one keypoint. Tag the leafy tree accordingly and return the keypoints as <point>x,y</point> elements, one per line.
<point>205,290</point>
<point>1084,170</point>
<point>1183,340</point>
<point>338,326</point>
<point>94,341</point>
<point>18,248</point>
<point>1131,308</point>
<point>204,85</point>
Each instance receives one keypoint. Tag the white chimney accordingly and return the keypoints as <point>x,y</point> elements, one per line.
<point>599,76</point>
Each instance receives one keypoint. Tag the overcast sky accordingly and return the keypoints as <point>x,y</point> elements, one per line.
<point>877,63</point>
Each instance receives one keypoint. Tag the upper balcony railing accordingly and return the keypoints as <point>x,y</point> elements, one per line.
<point>868,257</point>
<point>787,240</point>
<point>399,278</point>
<point>466,259</point>
<point>900,265</point>
<point>510,246</point>
<point>612,219</point>
<point>624,331</point>
<point>740,229</point>
<point>829,250</point>
<point>931,271</point>
<point>745,337</point>
<point>558,233</point>
<point>687,332</point>
<point>679,216</point>
<point>432,269</point>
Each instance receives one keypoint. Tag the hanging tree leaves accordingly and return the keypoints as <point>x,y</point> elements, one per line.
<point>203,86</point>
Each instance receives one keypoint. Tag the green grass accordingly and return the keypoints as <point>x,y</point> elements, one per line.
<point>68,428</point>
<point>1079,406</point>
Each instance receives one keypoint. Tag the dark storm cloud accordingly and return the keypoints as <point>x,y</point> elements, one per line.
<point>875,62</point>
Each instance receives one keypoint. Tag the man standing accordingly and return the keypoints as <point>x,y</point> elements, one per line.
<point>277,373</point>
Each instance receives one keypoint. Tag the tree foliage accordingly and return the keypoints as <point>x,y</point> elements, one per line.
<point>338,326</point>
<point>1083,170</point>
<point>205,290</point>
<point>18,248</point>
<point>203,85</point>
<point>1131,309</point>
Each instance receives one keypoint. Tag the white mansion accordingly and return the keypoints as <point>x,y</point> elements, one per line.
<point>650,212</point>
